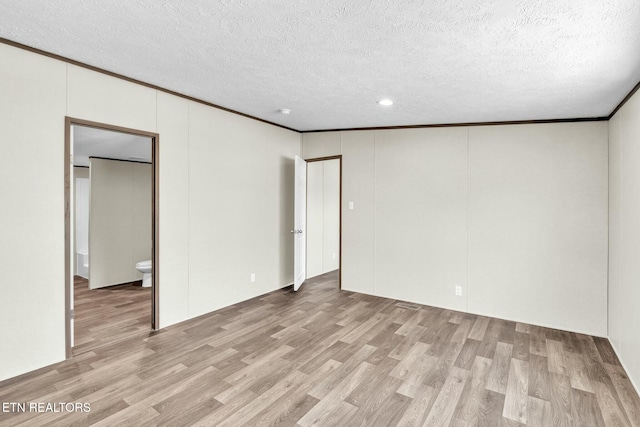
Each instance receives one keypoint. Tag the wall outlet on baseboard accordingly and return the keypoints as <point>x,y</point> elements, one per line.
<point>253,277</point>
<point>459,291</point>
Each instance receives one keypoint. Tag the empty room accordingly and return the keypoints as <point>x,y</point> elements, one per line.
<point>337,213</point>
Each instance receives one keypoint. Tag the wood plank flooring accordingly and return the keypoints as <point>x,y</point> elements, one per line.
<point>324,357</point>
<point>109,315</point>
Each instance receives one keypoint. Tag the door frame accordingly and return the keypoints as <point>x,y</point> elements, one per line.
<point>339,158</point>
<point>155,223</point>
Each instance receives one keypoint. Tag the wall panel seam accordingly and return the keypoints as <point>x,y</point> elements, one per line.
<point>375,208</point>
<point>467,290</point>
<point>188,210</point>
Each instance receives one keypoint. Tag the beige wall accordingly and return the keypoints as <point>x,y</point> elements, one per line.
<point>323,217</point>
<point>514,215</point>
<point>624,236</point>
<point>119,221</point>
<point>223,177</point>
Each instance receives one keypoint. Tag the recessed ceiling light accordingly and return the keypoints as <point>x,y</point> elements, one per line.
<point>284,111</point>
<point>386,102</point>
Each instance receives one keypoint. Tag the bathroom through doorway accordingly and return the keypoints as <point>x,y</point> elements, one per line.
<point>111,234</point>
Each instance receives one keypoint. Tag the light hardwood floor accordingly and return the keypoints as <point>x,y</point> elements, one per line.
<point>334,358</point>
<point>108,315</point>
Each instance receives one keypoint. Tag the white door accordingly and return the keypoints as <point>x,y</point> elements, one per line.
<point>299,224</point>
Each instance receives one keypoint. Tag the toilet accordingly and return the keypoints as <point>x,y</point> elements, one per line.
<point>144,267</point>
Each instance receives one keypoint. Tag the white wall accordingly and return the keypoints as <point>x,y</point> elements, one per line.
<point>515,215</point>
<point>80,239</point>
<point>323,217</point>
<point>538,224</point>
<point>240,208</point>
<point>331,210</point>
<point>315,219</point>
<point>624,236</point>
<point>421,215</point>
<point>223,177</point>
<point>358,225</point>
<point>32,105</point>
<point>120,220</point>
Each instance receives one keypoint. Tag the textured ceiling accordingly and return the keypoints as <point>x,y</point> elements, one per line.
<point>442,61</point>
<point>92,142</point>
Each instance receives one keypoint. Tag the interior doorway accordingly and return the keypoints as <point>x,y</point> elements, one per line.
<point>324,218</point>
<point>111,232</point>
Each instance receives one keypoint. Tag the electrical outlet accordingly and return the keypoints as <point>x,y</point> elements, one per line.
<point>459,291</point>
<point>253,277</point>
<point>334,255</point>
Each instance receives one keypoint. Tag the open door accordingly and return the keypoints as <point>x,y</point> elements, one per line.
<point>299,226</point>
<point>74,156</point>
